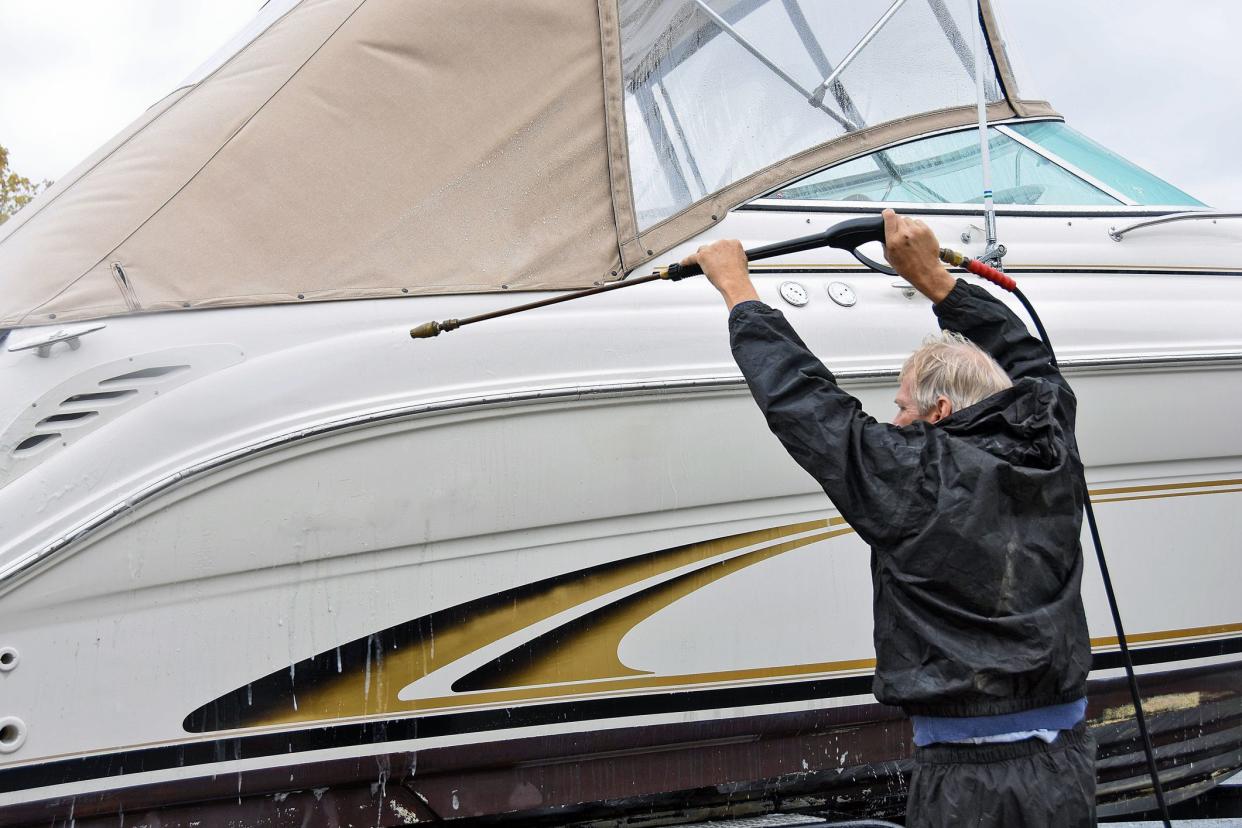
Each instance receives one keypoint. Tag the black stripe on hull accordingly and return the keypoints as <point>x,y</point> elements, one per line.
<point>1170,652</point>
<point>327,737</point>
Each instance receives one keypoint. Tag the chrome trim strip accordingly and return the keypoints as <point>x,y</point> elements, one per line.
<point>1066,165</point>
<point>1189,360</point>
<point>958,209</point>
<point>25,563</point>
<point>1115,234</point>
<point>573,393</point>
<point>767,200</point>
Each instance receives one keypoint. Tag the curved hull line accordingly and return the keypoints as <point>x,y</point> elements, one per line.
<point>23,565</point>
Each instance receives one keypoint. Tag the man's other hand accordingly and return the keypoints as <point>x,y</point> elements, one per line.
<point>724,264</point>
<point>911,248</point>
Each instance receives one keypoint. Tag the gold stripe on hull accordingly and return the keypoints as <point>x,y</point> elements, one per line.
<point>578,658</point>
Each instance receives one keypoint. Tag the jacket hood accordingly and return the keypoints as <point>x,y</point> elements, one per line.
<point>1017,425</point>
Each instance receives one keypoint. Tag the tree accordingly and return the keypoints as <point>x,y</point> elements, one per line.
<point>15,190</point>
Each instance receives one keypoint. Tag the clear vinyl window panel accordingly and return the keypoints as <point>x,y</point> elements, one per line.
<point>946,169</point>
<point>718,89</point>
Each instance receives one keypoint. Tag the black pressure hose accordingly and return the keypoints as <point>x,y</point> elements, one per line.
<point>998,278</point>
<point>873,230</point>
<point>1112,596</point>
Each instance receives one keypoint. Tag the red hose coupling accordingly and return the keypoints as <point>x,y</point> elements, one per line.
<point>996,277</point>
<point>983,271</point>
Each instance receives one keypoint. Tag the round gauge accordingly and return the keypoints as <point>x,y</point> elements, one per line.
<point>842,294</point>
<point>795,294</point>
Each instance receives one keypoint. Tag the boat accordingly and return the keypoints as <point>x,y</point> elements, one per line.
<point>264,558</point>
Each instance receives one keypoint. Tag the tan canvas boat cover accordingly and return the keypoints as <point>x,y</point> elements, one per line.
<point>343,149</point>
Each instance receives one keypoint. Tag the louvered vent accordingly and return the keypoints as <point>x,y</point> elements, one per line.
<point>32,444</point>
<point>99,397</point>
<point>145,374</point>
<point>82,412</point>
<point>76,416</point>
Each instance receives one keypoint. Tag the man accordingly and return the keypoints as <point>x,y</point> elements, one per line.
<point>972,504</point>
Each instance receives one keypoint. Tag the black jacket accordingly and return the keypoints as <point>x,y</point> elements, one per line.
<point>973,522</point>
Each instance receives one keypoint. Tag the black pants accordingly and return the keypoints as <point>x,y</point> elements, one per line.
<point>1028,783</point>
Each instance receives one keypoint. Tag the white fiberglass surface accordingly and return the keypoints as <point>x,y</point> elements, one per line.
<point>946,169</point>
<point>706,106</point>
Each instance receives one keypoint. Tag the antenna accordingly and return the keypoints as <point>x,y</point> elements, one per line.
<point>992,252</point>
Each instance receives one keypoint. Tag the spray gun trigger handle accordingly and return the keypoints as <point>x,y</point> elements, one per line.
<point>854,233</point>
<point>874,265</point>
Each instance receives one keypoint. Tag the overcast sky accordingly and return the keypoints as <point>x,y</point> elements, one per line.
<point>1158,81</point>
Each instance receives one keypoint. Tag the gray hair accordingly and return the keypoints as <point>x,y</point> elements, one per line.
<point>950,365</point>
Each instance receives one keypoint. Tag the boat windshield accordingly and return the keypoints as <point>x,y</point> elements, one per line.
<point>1102,163</point>
<point>718,89</point>
<point>1040,163</point>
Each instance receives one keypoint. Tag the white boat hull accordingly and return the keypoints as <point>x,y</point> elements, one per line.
<point>312,544</point>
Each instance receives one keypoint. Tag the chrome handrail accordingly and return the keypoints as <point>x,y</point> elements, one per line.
<point>1115,234</point>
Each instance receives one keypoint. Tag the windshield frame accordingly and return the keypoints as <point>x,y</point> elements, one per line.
<point>1127,207</point>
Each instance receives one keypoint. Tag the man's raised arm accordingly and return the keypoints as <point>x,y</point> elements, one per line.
<point>972,311</point>
<point>869,470</point>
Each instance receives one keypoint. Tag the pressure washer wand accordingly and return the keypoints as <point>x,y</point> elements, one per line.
<point>847,235</point>
<point>430,329</point>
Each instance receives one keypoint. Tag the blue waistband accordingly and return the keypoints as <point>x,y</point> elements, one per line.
<point>929,730</point>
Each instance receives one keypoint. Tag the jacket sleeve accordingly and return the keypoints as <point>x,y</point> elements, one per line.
<point>983,319</point>
<point>986,321</point>
<point>870,471</point>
